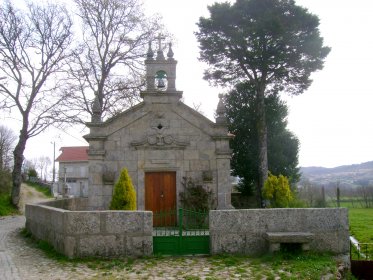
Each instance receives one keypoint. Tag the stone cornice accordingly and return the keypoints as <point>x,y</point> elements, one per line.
<point>155,93</point>
<point>96,154</point>
<point>222,137</point>
<point>223,152</point>
<point>94,124</point>
<point>90,137</point>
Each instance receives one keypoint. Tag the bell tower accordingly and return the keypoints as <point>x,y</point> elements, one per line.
<point>160,72</point>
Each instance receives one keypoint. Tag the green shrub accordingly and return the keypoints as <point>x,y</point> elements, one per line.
<point>194,196</point>
<point>277,191</point>
<point>297,203</point>
<point>31,173</point>
<point>124,196</point>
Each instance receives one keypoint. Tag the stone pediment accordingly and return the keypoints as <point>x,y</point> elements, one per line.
<point>161,113</point>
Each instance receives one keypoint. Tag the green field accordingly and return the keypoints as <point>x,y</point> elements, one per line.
<point>361,224</point>
<point>361,227</point>
<point>354,202</point>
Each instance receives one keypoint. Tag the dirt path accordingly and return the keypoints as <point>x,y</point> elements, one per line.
<point>30,195</point>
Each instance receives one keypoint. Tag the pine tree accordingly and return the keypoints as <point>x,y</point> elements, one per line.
<point>124,196</point>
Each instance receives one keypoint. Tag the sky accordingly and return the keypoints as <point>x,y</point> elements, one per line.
<point>332,119</point>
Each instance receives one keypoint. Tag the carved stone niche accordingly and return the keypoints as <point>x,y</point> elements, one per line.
<point>207,176</point>
<point>108,177</point>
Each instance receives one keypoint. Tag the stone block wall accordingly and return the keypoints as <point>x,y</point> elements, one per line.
<point>243,231</point>
<point>91,233</point>
<point>72,204</point>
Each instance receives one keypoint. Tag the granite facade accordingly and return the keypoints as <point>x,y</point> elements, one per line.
<point>160,134</point>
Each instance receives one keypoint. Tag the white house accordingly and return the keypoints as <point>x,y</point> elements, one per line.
<point>73,170</point>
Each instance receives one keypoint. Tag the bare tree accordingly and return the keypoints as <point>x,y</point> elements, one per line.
<point>365,194</point>
<point>46,166</point>
<point>42,164</point>
<point>108,65</point>
<point>33,54</point>
<point>7,141</point>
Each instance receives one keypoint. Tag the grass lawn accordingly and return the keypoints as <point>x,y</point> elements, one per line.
<point>361,227</point>
<point>6,207</point>
<point>361,224</point>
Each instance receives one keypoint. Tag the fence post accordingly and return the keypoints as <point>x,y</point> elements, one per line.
<point>180,222</point>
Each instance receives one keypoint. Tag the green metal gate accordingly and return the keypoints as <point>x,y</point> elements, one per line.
<point>182,232</point>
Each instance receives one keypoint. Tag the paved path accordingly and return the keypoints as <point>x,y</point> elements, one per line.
<point>8,225</point>
<point>20,260</point>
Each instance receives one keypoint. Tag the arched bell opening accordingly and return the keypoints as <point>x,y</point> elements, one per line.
<point>161,82</point>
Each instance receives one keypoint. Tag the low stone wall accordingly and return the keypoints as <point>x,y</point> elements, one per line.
<point>243,231</point>
<point>91,233</point>
<point>72,204</point>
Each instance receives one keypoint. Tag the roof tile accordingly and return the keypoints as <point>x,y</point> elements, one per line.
<point>79,153</point>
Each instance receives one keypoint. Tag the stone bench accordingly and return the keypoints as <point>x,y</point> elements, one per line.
<point>276,238</point>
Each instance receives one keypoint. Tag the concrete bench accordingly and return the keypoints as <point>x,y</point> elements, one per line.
<point>276,238</point>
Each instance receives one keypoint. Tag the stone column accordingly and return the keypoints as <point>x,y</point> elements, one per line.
<point>223,182</point>
<point>98,197</point>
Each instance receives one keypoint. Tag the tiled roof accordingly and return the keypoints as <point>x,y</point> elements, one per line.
<point>79,153</point>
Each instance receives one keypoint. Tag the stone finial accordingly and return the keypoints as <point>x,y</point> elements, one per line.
<point>96,109</point>
<point>150,52</point>
<point>220,111</point>
<point>170,53</point>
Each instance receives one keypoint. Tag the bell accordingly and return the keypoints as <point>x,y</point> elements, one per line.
<point>160,83</point>
<point>161,78</point>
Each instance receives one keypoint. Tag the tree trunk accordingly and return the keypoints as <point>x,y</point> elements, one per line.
<point>18,161</point>
<point>262,144</point>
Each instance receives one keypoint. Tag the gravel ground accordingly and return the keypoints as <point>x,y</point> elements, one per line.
<point>20,259</point>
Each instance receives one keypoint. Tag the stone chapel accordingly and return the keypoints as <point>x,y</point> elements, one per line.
<point>159,141</point>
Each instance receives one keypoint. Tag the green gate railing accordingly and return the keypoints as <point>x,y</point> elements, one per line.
<point>361,251</point>
<point>181,232</point>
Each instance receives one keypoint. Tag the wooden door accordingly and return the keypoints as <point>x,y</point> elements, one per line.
<point>160,193</point>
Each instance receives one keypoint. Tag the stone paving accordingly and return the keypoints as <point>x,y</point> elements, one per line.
<point>8,269</point>
<point>21,260</point>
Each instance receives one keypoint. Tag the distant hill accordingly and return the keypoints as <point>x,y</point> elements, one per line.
<point>346,175</point>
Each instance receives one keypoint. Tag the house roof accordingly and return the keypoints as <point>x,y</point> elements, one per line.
<point>79,153</point>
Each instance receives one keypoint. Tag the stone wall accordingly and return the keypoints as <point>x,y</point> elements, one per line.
<point>242,231</point>
<point>72,204</point>
<point>90,233</point>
